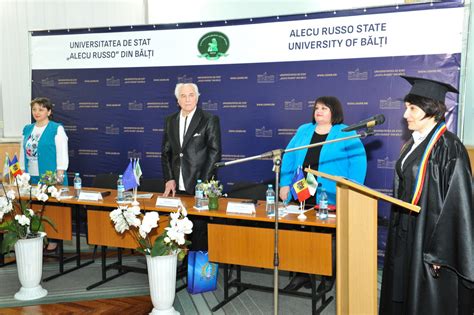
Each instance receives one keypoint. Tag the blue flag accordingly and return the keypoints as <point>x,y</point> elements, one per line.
<point>129,181</point>
<point>297,178</point>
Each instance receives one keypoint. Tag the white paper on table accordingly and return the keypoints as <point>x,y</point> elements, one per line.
<point>281,213</point>
<point>203,208</point>
<point>293,209</point>
<point>330,215</point>
<point>240,207</point>
<point>90,195</point>
<point>144,196</point>
<point>168,202</point>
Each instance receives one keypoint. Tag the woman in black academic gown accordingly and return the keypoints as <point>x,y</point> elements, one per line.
<point>429,259</point>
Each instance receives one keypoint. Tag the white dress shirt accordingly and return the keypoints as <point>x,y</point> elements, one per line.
<point>182,128</point>
<point>418,138</point>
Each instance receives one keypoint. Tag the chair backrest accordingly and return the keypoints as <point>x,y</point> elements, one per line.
<point>152,185</point>
<point>107,181</point>
<point>248,190</point>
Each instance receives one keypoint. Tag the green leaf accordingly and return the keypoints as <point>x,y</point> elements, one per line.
<point>9,240</point>
<point>159,247</point>
<point>181,255</point>
<point>35,224</point>
<point>8,226</point>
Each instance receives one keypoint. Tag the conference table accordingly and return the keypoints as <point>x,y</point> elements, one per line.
<point>233,239</point>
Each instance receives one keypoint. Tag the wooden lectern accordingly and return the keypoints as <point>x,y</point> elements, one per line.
<point>356,239</point>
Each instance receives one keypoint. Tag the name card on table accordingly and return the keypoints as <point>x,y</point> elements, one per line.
<point>240,207</point>
<point>90,195</point>
<point>168,202</point>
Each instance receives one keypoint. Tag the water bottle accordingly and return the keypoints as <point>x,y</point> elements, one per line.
<point>323,204</point>
<point>77,185</point>
<point>120,189</point>
<point>199,194</point>
<point>270,198</point>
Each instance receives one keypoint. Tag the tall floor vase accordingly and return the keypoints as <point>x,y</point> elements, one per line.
<point>29,261</point>
<point>162,280</point>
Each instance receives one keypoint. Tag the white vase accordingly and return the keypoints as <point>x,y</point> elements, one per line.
<point>162,280</point>
<point>29,262</point>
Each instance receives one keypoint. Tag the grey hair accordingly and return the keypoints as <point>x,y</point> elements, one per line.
<point>180,85</point>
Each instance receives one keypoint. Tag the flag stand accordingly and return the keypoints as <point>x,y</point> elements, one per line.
<point>302,216</point>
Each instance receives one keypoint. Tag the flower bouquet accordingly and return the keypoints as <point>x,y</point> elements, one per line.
<point>172,241</point>
<point>213,190</point>
<point>24,222</point>
<point>25,232</point>
<point>162,254</point>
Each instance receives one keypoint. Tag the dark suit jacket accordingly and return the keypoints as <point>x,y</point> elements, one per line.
<point>200,151</point>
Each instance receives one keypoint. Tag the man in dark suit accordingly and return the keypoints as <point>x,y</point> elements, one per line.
<point>191,146</point>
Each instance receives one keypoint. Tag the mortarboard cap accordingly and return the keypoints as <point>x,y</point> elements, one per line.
<point>429,88</point>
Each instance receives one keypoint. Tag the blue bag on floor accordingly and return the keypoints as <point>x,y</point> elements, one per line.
<point>202,275</point>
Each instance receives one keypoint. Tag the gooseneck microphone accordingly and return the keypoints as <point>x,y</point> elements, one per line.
<point>367,123</point>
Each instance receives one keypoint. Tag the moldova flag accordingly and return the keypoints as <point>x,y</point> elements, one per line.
<point>15,167</point>
<point>299,187</point>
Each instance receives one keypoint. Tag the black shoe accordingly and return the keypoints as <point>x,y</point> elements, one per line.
<point>297,282</point>
<point>326,285</point>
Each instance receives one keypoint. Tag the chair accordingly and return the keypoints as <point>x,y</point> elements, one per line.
<point>107,181</point>
<point>152,185</point>
<point>247,190</point>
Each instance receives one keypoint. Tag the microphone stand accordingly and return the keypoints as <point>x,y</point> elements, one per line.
<point>276,156</point>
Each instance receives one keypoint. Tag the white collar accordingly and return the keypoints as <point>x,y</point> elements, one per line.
<point>418,137</point>
<point>190,115</point>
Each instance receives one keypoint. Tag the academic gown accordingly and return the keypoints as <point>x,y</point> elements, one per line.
<point>442,234</point>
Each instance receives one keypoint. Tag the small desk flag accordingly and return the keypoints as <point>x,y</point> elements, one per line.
<point>299,187</point>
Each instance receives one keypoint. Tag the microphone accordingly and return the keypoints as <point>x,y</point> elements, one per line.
<point>367,123</point>
<point>219,164</point>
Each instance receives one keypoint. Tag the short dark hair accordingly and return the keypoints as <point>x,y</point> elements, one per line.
<point>431,107</point>
<point>43,101</point>
<point>337,116</point>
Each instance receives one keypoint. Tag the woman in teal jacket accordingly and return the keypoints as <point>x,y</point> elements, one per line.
<point>44,145</point>
<point>344,158</point>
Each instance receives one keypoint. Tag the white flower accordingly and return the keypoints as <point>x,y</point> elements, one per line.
<point>30,212</point>
<point>1,215</point>
<point>117,217</point>
<point>23,181</point>
<point>185,225</point>
<point>183,210</point>
<point>41,196</point>
<point>150,220</point>
<point>175,235</point>
<point>11,194</point>
<point>130,215</point>
<point>167,240</point>
<point>54,192</point>
<point>174,215</point>
<point>5,205</point>
<point>22,219</point>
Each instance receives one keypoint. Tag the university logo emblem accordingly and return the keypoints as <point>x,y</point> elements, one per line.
<point>213,45</point>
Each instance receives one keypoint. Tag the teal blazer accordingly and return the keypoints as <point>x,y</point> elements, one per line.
<point>345,158</point>
<point>46,149</point>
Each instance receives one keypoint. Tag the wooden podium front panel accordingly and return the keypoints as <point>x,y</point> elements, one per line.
<point>62,218</point>
<point>102,232</point>
<point>356,252</point>
<point>306,252</point>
